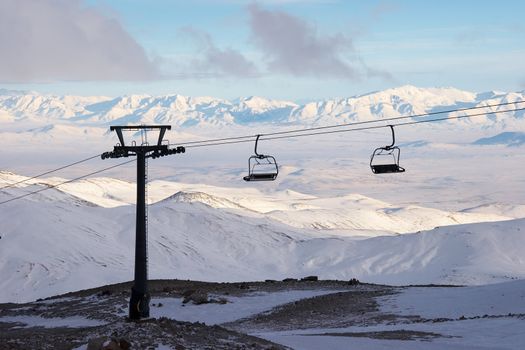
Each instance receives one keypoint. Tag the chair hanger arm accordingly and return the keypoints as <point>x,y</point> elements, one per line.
<point>393,138</point>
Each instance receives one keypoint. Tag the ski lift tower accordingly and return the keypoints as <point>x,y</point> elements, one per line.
<point>139,301</point>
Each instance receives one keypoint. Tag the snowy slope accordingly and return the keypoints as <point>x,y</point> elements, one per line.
<point>351,214</point>
<point>482,317</point>
<point>75,243</point>
<point>494,299</point>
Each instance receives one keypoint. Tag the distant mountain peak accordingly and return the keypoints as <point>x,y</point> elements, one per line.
<point>201,197</point>
<point>184,112</point>
<point>508,138</point>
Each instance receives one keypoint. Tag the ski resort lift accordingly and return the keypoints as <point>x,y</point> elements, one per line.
<point>386,159</point>
<point>261,167</point>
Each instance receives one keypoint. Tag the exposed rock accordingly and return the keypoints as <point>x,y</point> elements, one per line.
<point>96,343</point>
<point>188,292</point>
<point>354,282</point>
<point>290,280</point>
<point>244,286</point>
<point>111,345</point>
<point>103,343</point>
<point>124,344</point>
<point>310,278</point>
<point>221,301</point>
<point>197,298</point>
<point>104,293</point>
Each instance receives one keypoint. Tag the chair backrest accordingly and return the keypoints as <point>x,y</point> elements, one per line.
<point>262,168</point>
<point>386,160</point>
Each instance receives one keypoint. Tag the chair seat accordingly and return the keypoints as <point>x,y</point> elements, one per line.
<point>386,168</point>
<point>261,177</point>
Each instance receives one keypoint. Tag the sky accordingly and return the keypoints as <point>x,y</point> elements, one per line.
<point>295,50</point>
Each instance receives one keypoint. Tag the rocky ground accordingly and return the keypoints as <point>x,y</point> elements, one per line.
<point>350,304</point>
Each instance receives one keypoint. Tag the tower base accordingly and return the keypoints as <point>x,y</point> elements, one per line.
<point>138,305</point>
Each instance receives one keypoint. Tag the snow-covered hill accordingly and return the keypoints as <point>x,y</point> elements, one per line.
<point>83,236</point>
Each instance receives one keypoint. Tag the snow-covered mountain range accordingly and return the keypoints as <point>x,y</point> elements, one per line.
<point>182,111</point>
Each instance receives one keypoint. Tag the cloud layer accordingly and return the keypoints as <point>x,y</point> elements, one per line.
<point>219,62</point>
<point>63,40</point>
<point>285,44</point>
<point>293,46</point>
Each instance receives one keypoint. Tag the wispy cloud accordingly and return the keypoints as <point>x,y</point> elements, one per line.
<point>379,73</point>
<point>65,40</point>
<point>213,60</point>
<point>293,46</point>
<point>283,44</point>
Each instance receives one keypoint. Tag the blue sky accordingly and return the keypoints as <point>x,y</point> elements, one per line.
<point>285,49</point>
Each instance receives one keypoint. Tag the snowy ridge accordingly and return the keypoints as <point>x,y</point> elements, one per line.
<point>351,214</point>
<point>184,111</point>
<point>215,235</point>
<point>204,198</point>
<point>505,138</point>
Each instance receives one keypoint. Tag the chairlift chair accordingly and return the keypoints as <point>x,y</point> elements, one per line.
<point>261,167</point>
<point>385,159</point>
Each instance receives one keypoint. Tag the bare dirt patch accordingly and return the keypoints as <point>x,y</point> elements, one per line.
<point>356,307</point>
<point>385,335</point>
